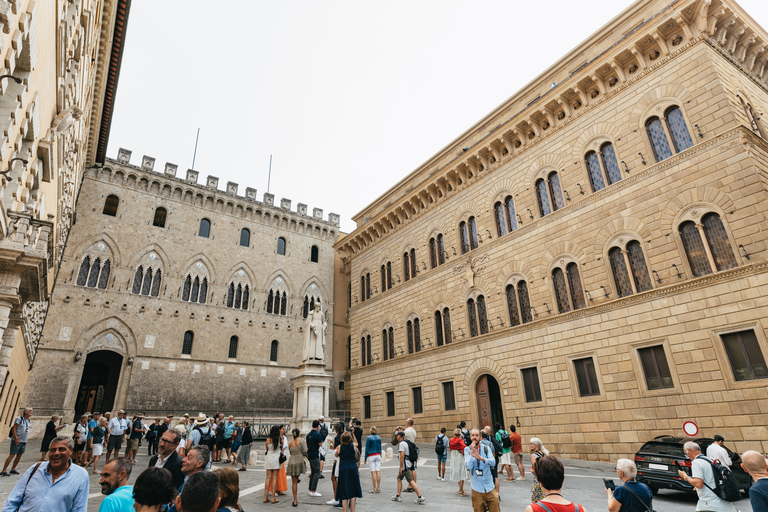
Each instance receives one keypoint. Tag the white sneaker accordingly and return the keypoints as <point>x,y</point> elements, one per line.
<point>314,494</point>
<point>520,478</point>
<point>332,502</point>
<point>439,479</point>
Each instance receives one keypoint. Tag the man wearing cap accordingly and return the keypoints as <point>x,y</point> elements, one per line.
<point>137,431</point>
<point>323,433</point>
<point>116,434</point>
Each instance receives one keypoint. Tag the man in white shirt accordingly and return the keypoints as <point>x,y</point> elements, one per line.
<point>715,451</point>
<point>116,434</point>
<point>410,435</point>
<point>703,481</point>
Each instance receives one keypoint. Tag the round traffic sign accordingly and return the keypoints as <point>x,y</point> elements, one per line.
<point>690,428</point>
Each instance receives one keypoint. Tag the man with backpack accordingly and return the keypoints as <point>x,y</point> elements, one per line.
<point>489,440</point>
<point>704,480</point>
<point>201,434</point>
<point>506,451</point>
<point>441,450</point>
<point>409,454</point>
<point>18,435</point>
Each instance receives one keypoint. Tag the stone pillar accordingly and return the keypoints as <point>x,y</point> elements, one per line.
<point>311,395</point>
<point>8,340</point>
<point>10,320</point>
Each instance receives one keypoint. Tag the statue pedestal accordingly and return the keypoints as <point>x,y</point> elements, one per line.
<point>311,394</point>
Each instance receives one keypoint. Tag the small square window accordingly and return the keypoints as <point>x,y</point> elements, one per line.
<point>367,407</point>
<point>341,385</point>
<point>390,403</point>
<point>586,376</point>
<point>746,358</point>
<point>418,406</point>
<point>449,399</point>
<point>531,384</point>
<point>655,367</point>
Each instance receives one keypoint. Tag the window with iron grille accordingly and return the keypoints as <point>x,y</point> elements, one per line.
<point>233,347</point>
<point>186,347</point>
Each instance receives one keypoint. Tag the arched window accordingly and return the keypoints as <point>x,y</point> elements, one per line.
<point>501,222</point>
<point>406,266</point>
<point>518,304</point>
<point>678,131</point>
<point>365,287</point>
<point>463,237</point>
<point>314,254</point>
<point>472,225</point>
<point>604,169</point>
<point>436,251</point>
<point>365,350</point>
<point>478,316</point>
<point>432,253</point>
<point>233,347</point>
<point>620,272</point>
<point>205,228</point>
<point>549,194</point>
<point>245,237</point>
<point>281,246</point>
<point>349,352</point>
<point>509,206</point>
<point>305,309</point>
<point>712,232</point>
<point>443,327</point>
<point>447,333</point>
<point>482,315</point>
<point>110,205</point>
<point>156,281</point>
<point>104,275</point>
<point>388,343</point>
<point>637,266</point>
<point>147,284</point>
<point>555,191</point>
<point>754,120</point>
<point>93,275</point>
<point>186,347</point>
<point>386,276</point>
<point>504,212</point>
<point>630,272</point>
<point>414,335</point>
<point>568,291</point>
<point>273,351</point>
<point>283,304</point>
<point>82,275</point>
<point>439,328</point>
<point>160,215</point>
<point>195,290</point>
<point>542,197</point>
<point>472,312</point>
<point>138,278</point>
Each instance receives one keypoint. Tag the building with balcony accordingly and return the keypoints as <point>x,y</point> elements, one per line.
<point>587,262</point>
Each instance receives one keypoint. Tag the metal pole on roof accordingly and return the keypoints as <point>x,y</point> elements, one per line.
<point>195,154</point>
<point>269,177</point>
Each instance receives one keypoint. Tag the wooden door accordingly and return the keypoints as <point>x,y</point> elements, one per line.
<point>483,402</point>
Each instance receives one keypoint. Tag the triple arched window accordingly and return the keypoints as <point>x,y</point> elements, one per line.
<point>110,205</point>
<point>603,169</point>
<point>388,343</point>
<point>506,219</point>
<point>443,334</point>
<point>568,291</point>
<point>549,194</point>
<point>386,276</point>
<point>409,264</point>
<point>478,316</point>
<point>160,216</point>
<point>518,303</point>
<point>707,246</point>
<point>436,251</point>
<point>147,282</point>
<point>468,235</point>
<point>630,273</point>
<point>238,296</point>
<point>413,331</point>
<point>365,350</point>
<point>365,287</point>
<point>309,304</point>
<point>195,289</point>
<point>94,274</point>
<point>277,303</point>
<point>674,127</point>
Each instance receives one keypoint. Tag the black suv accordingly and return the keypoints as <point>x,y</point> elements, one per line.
<point>656,459</point>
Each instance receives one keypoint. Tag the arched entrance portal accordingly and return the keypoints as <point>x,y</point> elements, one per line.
<point>489,407</point>
<point>98,384</point>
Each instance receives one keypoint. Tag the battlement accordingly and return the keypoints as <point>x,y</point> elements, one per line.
<point>212,183</point>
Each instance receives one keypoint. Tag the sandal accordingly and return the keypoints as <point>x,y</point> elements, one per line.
<point>372,491</point>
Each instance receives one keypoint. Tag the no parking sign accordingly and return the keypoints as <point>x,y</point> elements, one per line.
<point>690,428</point>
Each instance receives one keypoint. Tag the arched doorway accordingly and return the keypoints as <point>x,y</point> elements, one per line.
<point>98,384</point>
<point>489,406</point>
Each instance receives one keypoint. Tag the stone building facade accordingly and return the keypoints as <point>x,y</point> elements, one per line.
<point>589,261</point>
<point>60,66</point>
<point>180,297</point>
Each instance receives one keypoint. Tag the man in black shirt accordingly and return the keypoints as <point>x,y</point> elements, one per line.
<point>314,440</point>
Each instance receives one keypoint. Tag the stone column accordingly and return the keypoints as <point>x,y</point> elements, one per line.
<point>12,325</point>
<point>9,300</point>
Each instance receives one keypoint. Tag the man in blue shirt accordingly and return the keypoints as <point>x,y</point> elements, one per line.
<point>631,496</point>
<point>314,440</point>
<point>478,459</point>
<point>35,490</point>
<point>229,434</point>
<point>114,483</point>
<point>754,463</point>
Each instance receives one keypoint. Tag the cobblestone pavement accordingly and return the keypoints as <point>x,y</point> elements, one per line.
<point>583,484</point>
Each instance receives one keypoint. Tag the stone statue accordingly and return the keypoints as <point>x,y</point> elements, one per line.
<point>314,335</point>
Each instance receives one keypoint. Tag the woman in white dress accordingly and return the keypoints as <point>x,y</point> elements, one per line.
<point>272,462</point>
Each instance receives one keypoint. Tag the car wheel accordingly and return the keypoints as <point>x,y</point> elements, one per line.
<point>654,489</point>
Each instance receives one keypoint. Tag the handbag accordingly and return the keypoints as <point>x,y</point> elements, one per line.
<point>282,458</point>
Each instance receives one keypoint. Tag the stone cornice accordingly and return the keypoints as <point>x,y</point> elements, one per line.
<point>447,351</point>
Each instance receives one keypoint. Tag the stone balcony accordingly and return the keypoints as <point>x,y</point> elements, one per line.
<point>26,249</point>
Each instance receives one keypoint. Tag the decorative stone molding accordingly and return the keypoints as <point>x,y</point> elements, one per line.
<point>124,156</point>
<point>192,176</point>
<point>147,163</point>
<point>170,169</point>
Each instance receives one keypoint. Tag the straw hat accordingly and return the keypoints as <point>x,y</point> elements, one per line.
<point>201,420</point>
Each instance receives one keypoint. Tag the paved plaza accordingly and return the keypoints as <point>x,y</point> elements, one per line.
<point>583,484</point>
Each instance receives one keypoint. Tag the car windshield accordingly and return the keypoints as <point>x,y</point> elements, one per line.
<point>663,449</point>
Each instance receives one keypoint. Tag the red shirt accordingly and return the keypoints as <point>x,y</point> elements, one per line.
<point>517,442</point>
<point>457,443</point>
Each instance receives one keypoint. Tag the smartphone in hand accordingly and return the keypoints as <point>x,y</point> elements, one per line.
<point>609,484</point>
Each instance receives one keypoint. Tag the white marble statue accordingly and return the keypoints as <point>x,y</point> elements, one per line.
<point>314,335</point>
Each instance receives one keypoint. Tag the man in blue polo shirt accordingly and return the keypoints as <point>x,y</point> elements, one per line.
<point>114,483</point>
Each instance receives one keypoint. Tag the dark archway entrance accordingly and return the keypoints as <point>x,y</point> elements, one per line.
<point>489,407</point>
<point>98,384</point>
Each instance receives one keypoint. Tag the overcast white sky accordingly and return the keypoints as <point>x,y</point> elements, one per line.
<point>349,96</point>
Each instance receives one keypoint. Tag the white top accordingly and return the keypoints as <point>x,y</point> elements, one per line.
<point>708,500</point>
<point>403,447</point>
<point>116,427</point>
<point>410,434</point>
<point>715,451</point>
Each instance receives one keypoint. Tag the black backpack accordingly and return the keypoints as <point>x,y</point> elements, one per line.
<point>206,439</point>
<point>506,442</point>
<point>726,487</point>
<point>497,451</point>
<point>413,453</point>
<point>467,438</point>
<point>439,446</point>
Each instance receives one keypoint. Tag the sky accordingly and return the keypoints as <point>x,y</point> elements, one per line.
<point>348,96</point>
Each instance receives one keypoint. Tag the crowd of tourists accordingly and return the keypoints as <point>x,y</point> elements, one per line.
<point>180,476</point>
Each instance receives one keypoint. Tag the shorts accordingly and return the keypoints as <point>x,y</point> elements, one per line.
<point>133,444</point>
<point>18,449</point>
<point>322,457</point>
<point>405,474</point>
<point>79,446</point>
<point>115,443</point>
<point>442,458</point>
<point>219,445</point>
<point>494,472</point>
<point>98,449</point>
<point>518,457</point>
<point>506,459</point>
<point>227,443</point>
<point>374,462</point>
